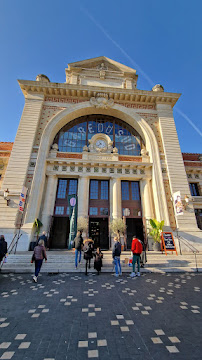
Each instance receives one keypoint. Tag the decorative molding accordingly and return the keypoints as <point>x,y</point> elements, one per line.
<point>5,154</point>
<point>130,158</point>
<point>102,101</point>
<point>63,100</point>
<point>69,156</point>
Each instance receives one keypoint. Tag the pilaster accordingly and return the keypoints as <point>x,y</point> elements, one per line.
<point>49,201</point>
<point>116,197</point>
<point>18,164</point>
<point>146,201</point>
<point>175,165</point>
<point>83,196</point>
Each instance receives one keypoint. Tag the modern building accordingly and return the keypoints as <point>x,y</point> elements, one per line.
<point>115,146</point>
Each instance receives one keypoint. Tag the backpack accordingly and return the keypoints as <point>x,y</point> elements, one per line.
<point>117,249</point>
<point>88,249</point>
<point>139,247</point>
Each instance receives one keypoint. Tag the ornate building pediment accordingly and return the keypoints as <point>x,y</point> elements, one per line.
<point>101,71</point>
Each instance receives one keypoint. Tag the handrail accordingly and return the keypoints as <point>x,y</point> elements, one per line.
<point>186,242</point>
<point>190,246</point>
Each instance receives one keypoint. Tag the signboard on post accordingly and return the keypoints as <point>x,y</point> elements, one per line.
<point>73,211</point>
<point>167,242</point>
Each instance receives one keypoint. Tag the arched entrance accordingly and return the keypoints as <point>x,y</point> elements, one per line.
<point>78,136</point>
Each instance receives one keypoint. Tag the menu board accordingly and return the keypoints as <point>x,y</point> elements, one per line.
<point>168,243</point>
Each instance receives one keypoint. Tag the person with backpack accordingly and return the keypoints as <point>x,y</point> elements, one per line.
<point>78,245</point>
<point>136,249</point>
<point>37,257</point>
<point>116,253</point>
<point>88,253</point>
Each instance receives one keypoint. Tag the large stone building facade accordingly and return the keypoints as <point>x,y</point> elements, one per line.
<point>99,137</point>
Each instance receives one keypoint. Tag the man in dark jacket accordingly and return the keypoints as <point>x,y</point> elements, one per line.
<point>116,252</point>
<point>3,247</point>
<point>88,253</point>
<point>78,244</point>
<point>44,238</point>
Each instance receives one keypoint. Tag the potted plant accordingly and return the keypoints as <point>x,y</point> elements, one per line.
<point>118,227</point>
<point>157,228</point>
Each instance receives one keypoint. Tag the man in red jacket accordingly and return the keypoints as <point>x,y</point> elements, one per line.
<point>136,249</point>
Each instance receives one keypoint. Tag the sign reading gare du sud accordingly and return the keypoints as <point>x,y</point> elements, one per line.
<point>84,131</point>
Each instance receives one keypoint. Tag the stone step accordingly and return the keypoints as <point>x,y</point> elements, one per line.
<point>64,262</point>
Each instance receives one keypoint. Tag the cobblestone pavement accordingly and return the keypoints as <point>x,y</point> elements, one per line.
<point>69,316</point>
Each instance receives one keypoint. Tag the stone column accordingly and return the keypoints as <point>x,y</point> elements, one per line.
<point>49,201</point>
<point>116,198</point>
<point>83,196</point>
<point>175,165</point>
<point>146,200</point>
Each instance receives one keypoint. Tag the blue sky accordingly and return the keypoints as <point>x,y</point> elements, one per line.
<point>161,38</point>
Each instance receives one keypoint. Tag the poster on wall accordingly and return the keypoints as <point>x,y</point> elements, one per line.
<point>178,203</point>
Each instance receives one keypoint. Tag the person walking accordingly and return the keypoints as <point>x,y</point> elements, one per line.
<point>3,247</point>
<point>98,260</point>
<point>78,245</point>
<point>143,255</point>
<point>37,257</point>
<point>136,249</point>
<point>44,238</point>
<point>88,253</point>
<point>116,253</point>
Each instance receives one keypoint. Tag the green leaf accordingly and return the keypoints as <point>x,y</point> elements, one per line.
<point>153,223</point>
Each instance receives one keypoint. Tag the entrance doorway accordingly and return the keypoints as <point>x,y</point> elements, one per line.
<point>98,231</point>
<point>59,236</point>
<point>134,227</point>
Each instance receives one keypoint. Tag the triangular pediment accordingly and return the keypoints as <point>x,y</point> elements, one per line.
<point>101,63</point>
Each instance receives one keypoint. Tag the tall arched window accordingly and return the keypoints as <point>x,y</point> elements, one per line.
<point>75,135</point>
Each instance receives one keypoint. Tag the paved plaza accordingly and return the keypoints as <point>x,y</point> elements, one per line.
<point>70,316</point>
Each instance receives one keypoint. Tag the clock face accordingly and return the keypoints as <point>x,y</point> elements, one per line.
<point>100,144</point>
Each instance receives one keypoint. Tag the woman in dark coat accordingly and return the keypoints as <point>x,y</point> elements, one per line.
<point>88,252</point>
<point>3,247</point>
<point>98,260</point>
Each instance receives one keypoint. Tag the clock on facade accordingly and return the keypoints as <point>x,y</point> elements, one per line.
<point>100,144</point>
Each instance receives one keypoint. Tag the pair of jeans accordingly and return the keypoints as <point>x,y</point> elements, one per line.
<point>38,264</point>
<point>77,252</point>
<point>117,264</point>
<point>136,259</point>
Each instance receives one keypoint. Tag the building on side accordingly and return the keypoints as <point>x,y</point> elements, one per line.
<point>100,137</point>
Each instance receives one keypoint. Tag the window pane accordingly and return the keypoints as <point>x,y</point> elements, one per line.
<point>104,190</point>
<point>135,190</point>
<point>125,190</point>
<point>94,189</point>
<point>62,187</point>
<point>103,211</point>
<point>59,210</point>
<point>72,187</point>
<point>93,211</point>
<point>194,189</point>
<point>73,139</point>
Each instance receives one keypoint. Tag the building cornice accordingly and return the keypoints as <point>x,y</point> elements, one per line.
<point>85,92</point>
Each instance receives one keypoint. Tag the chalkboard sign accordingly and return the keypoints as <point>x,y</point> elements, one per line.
<point>167,242</point>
